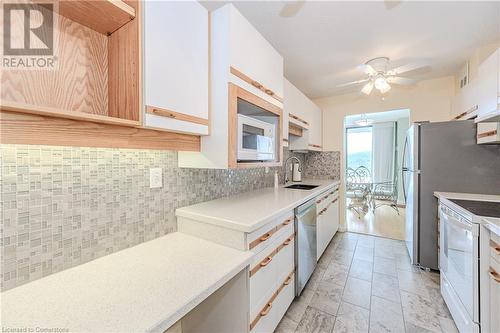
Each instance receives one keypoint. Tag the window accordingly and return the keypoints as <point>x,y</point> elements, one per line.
<point>359,147</point>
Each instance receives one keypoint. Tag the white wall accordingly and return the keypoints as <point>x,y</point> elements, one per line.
<point>428,100</point>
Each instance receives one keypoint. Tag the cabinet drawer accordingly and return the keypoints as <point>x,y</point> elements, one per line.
<point>269,269</point>
<point>270,315</point>
<point>323,199</point>
<point>262,237</point>
<point>494,296</point>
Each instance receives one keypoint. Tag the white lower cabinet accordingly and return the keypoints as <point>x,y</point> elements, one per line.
<point>327,222</point>
<point>271,275</point>
<point>494,304</point>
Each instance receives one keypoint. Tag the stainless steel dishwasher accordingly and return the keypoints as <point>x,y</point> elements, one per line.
<point>305,248</point>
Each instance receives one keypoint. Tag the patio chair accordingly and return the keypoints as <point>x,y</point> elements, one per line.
<point>355,192</point>
<point>387,193</point>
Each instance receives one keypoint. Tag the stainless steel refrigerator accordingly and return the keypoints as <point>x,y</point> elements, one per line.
<point>442,157</point>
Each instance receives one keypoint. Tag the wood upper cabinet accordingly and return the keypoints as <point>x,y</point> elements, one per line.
<point>176,66</point>
<point>489,88</point>
<point>305,120</point>
<point>243,66</point>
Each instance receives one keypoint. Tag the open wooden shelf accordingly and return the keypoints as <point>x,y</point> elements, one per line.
<point>104,16</point>
<point>60,113</point>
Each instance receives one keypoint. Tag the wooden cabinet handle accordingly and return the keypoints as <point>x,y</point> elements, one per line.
<point>333,201</point>
<point>495,246</point>
<point>287,281</point>
<point>266,262</point>
<point>256,84</point>
<point>287,221</point>
<point>269,92</point>
<point>266,310</point>
<point>494,275</point>
<point>287,241</point>
<point>164,114</point>
<point>265,237</point>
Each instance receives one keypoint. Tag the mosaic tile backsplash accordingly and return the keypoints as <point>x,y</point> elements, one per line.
<point>64,206</point>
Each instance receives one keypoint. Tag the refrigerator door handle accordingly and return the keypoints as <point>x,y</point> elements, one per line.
<point>404,168</point>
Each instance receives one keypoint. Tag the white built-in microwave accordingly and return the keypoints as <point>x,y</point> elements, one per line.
<point>256,139</point>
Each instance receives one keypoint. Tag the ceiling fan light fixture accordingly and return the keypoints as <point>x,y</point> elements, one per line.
<point>385,89</point>
<point>381,82</point>
<point>367,89</point>
<point>364,121</point>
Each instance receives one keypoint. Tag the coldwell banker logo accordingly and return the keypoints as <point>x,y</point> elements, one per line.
<point>28,36</point>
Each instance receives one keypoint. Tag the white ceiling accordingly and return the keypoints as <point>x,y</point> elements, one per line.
<point>379,117</point>
<point>325,41</point>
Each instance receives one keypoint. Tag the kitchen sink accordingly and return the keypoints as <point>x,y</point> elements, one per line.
<point>301,186</point>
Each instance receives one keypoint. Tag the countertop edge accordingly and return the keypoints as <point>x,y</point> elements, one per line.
<point>165,324</point>
<point>183,211</point>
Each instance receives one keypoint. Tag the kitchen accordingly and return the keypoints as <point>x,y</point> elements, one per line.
<point>197,184</point>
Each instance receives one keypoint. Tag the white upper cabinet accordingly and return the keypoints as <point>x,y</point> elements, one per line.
<point>489,89</point>
<point>252,55</point>
<point>305,120</point>
<point>243,65</point>
<point>465,103</point>
<point>176,66</point>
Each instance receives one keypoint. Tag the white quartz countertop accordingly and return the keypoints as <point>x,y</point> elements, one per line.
<point>249,211</point>
<point>144,288</point>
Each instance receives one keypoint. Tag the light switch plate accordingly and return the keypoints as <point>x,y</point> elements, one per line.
<point>155,177</point>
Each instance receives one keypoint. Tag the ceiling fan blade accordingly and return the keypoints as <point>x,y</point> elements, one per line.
<point>406,68</point>
<point>390,4</point>
<point>401,80</point>
<point>291,8</point>
<point>351,83</point>
<point>367,89</point>
<point>367,69</point>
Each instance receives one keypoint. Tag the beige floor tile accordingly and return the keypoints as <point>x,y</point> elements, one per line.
<point>386,316</point>
<point>361,269</point>
<point>357,292</point>
<point>419,311</point>
<point>286,325</point>
<point>336,273</point>
<point>315,321</point>
<point>385,266</point>
<point>327,297</point>
<point>386,286</point>
<point>364,253</point>
<point>351,319</point>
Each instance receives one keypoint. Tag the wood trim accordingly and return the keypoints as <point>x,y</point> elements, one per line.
<point>23,128</point>
<point>298,119</point>
<point>463,114</point>
<point>235,92</point>
<point>294,130</point>
<point>486,134</point>
<point>254,83</point>
<point>264,237</point>
<point>124,69</point>
<point>67,114</point>
<point>175,115</point>
<point>264,262</point>
<point>104,16</point>
<point>264,311</point>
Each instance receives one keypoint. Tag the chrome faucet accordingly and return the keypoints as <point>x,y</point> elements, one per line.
<point>286,169</point>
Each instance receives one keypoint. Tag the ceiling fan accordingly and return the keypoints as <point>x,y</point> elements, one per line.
<point>380,77</point>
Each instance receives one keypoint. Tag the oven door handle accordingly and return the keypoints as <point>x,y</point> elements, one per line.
<point>457,221</point>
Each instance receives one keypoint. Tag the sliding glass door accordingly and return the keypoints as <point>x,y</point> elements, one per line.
<point>359,147</point>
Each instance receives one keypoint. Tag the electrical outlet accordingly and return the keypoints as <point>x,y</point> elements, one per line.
<point>155,177</point>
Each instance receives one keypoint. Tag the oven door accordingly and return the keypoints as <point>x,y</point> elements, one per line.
<point>459,258</point>
<point>255,140</point>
